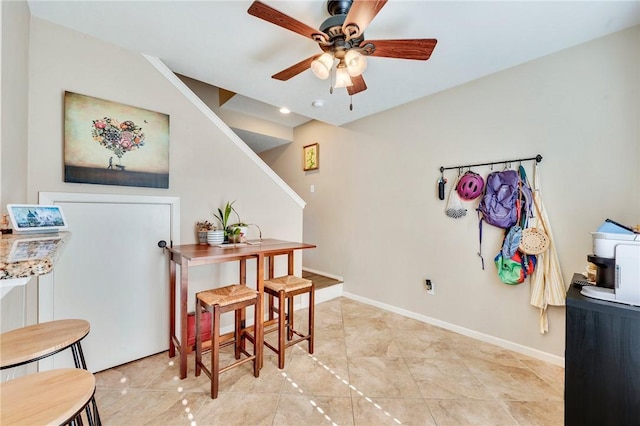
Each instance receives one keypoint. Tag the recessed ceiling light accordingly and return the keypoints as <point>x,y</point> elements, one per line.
<point>284,110</point>
<point>317,104</point>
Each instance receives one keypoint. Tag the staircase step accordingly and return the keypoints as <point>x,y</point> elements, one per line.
<point>327,288</point>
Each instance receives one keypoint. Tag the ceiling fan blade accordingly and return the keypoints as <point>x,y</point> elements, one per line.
<point>294,70</point>
<point>360,16</point>
<point>269,14</point>
<point>358,85</point>
<point>419,49</point>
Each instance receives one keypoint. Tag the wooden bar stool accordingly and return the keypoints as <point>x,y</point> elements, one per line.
<point>218,301</point>
<point>51,397</point>
<point>285,288</point>
<point>38,341</point>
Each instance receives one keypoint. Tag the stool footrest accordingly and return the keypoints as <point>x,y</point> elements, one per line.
<point>289,343</point>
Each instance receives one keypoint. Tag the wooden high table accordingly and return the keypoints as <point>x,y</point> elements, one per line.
<point>197,254</point>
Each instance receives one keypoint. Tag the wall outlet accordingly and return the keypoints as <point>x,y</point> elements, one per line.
<point>429,286</point>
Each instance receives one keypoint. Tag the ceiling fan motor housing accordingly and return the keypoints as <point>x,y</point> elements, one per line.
<point>339,7</point>
<point>332,27</point>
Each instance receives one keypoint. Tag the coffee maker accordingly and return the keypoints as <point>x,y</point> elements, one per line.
<point>617,259</point>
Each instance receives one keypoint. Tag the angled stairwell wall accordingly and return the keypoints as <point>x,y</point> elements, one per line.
<point>209,164</point>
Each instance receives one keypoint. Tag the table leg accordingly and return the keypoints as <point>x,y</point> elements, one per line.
<point>184,281</point>
<point>243,312</point>
<point>290,263</point>
<point>243,271</point>
<point>172,305</point>
<point>270,275</point>
<point>259,327</point>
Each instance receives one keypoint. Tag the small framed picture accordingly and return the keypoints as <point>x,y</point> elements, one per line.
<point>311,157</point>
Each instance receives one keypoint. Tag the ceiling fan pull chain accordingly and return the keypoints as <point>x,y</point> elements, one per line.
<point>350,103</point>
<point>332,78</point>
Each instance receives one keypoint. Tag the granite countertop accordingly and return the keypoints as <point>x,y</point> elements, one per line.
<point>28,255</point>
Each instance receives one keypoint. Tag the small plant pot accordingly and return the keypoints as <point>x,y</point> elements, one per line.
<point>235,238</point>
<point>202,237</point>
<point>215,237</point>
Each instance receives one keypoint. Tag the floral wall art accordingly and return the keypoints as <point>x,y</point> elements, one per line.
<point>311,157</point>
<point>114,144</point>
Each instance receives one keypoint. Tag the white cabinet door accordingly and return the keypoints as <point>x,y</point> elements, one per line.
<point>113,274</point>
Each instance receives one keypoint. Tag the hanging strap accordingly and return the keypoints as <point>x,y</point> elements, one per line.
<point>480,247</point>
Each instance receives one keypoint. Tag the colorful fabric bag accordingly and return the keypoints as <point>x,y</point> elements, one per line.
<point>516,269</point>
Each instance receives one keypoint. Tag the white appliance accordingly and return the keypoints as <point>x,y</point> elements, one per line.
<point>627,277</point>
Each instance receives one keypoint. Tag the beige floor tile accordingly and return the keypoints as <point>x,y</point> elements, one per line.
<point>391,411</point>
<point>328,342</point>
<point>328,313</point>
<point>169,379</point>
<point>398,322</point>
<point>372,341</point>
<point>317,375</point>
<point>150,407</point>
<point>446,379</point>
<point>353,309</point>
<point>110,401</point>
<point>238,409</point>
<point>136,374</point>
<point>511,383</point>
<point>295,410</point>
<point>377,377</point>
<point>467,412</point>
<point>370,367</point>
<point>537,413</point>
<point>552,374</point>
<point>364,322</point>
<point>474,349</point>
<point>424,345</point>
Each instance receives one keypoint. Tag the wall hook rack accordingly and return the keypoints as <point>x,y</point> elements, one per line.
<point>538,159</point>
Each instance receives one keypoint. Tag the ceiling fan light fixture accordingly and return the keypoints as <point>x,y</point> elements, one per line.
<point>342,78</point>
<point>356,63</point>
<point>321,66</point>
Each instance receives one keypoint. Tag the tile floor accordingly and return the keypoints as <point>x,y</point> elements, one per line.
<point>370,367</point>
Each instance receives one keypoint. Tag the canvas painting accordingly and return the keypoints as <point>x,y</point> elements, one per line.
<point>110,143</point>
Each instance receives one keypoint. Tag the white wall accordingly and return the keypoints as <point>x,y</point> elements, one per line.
<point>13,117</point>
<point>14,84</point>
<point>378,223</point>
<point>207,168</point>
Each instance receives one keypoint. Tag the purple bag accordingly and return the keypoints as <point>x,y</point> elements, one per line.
<point>498,203</point>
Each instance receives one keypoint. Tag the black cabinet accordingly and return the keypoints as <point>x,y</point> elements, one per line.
<point>602,362</point>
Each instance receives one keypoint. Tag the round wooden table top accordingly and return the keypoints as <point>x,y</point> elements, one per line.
<point>39,340</point>
<point>50,397</point>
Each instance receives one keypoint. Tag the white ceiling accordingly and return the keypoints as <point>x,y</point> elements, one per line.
<point>219,43</point>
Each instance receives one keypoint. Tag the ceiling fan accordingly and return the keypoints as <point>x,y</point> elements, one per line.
<point>341,38</point>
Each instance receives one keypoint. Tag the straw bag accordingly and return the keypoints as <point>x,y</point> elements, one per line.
<point>534,240</point>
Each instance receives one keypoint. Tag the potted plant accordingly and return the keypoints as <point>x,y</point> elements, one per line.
<point>234,235</point>
<point>223,218</point>
<point>202,227</point>
<point>234,232</point>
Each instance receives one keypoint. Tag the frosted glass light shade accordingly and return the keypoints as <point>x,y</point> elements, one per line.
<point>321,66</point>
<point>356,63</point>
<point>342,78</point>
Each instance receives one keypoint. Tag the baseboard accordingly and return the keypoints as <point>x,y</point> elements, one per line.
<point>328,293</point>
<point>525,350</point>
